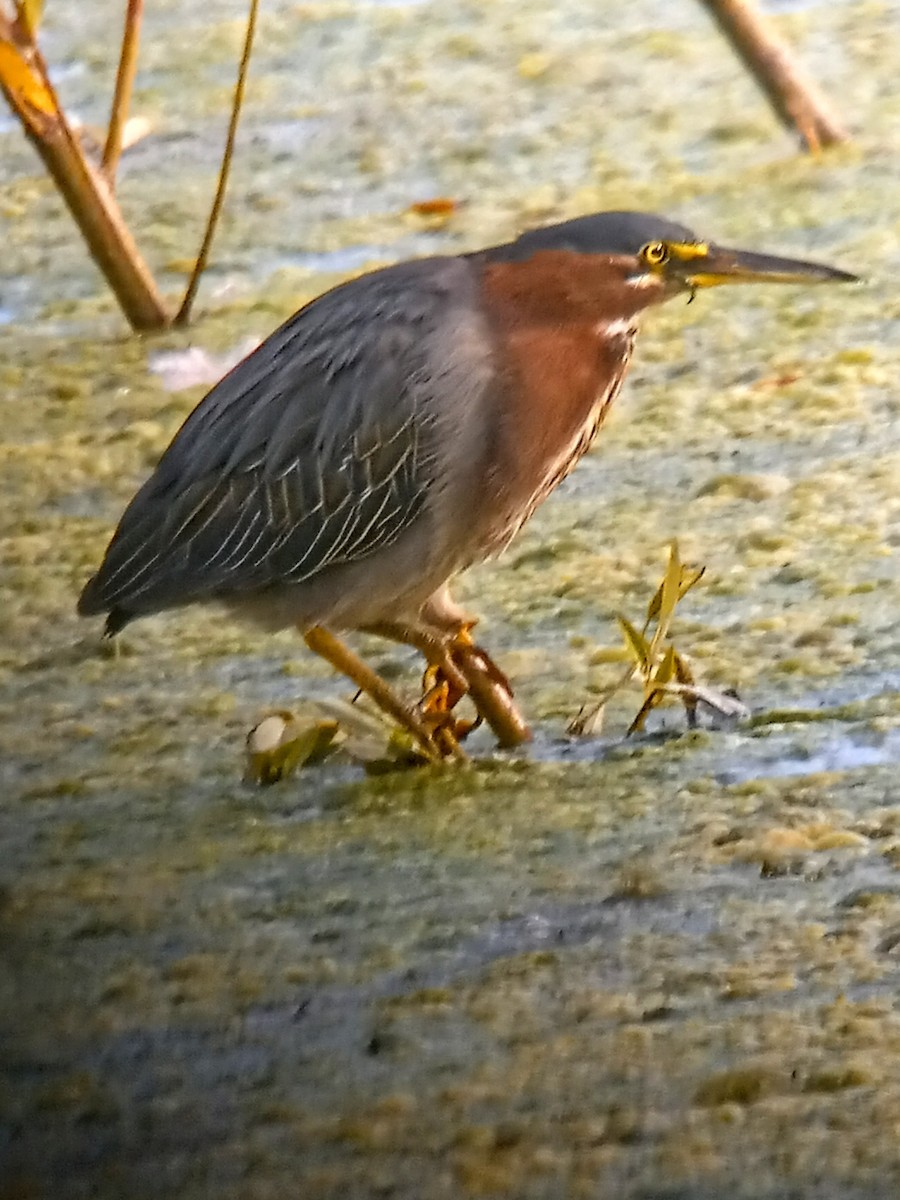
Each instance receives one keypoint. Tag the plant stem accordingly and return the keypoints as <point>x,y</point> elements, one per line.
<point>124,87</point>
<point>184,313</point>
<point>797,101</point>
<point>26,85</point>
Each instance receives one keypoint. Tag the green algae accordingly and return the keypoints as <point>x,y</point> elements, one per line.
<point>588,969</point>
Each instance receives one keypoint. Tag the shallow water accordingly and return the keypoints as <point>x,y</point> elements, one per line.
<point>660,967</point>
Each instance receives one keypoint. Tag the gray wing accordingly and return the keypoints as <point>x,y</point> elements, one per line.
<point>315,450</point>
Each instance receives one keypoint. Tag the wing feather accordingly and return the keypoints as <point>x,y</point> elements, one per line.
<point>317,449</point>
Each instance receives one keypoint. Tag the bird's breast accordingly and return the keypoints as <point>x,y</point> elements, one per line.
<point>553,404</point>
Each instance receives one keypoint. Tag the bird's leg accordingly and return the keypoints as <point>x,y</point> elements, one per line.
<point>443,684</point>
<point>457,668</point>
<point>489,689</point>
<point>430,645</point>
<point>342,658</point>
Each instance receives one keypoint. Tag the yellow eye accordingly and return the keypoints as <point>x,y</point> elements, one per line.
<point>654,253</point>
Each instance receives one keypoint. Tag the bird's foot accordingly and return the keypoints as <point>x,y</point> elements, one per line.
<point>440,695</point>
<point>464,647</point>
<point>470,670</point>
<point>491,691</point>
<point>458,668</point>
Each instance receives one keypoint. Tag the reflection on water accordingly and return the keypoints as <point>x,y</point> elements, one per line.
<point>776,745</point>
<point>838,752</point>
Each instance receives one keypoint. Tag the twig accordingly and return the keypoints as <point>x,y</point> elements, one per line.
<point>25,82</point>
<point>184,313</point>
<point>797,101</point>
<point>124,87</point>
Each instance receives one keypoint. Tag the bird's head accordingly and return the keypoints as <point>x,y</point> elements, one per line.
<point>671,253</point>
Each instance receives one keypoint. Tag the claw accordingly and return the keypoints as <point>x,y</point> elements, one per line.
<point>435,708</point>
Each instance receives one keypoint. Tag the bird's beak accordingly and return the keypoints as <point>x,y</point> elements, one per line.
<point>710,265</point>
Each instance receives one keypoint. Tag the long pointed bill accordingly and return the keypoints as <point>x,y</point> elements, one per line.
<point>720,265</point>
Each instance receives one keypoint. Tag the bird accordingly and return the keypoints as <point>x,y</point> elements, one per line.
<point>393,432</point>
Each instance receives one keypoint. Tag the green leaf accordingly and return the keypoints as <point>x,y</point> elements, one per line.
<point>637,644</point>
<point>371,740</point>
<point>588,721</point>
<point>689,577</point>
<point>401,753</point>
<point>665,672</point>
<point>669,593</point>
<point>649,704</point>
<point>683,672</point>
<point>29,15</point>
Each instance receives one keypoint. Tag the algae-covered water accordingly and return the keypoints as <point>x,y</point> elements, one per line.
<point>656,968</point>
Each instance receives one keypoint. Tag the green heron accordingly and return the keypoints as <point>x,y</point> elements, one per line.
<point>396,430</point>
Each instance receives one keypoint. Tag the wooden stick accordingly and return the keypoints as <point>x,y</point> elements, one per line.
<point>184,313</point>
<point>797,101</point>
<point>124,86</point>
<point>25,83</point>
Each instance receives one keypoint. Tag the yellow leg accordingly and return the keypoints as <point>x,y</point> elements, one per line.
<point>490,691</point>
<point>342,658</point>
<point>431,646</point>
<point>469,670</point>
<point>442,679</point>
